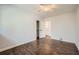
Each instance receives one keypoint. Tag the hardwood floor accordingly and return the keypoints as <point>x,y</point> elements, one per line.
<point>43,47</point>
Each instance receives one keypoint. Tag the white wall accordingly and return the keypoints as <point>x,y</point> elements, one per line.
<point>63,26</point>
<point>0,20</point>
<point>18,26</point>
<point>77,41</point>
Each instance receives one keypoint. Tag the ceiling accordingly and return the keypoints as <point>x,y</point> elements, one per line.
<point>34,8</point>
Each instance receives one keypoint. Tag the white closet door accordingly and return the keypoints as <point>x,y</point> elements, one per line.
<point>45,28</point>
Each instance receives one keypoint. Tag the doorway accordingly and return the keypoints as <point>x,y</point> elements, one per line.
<point>43,28</point>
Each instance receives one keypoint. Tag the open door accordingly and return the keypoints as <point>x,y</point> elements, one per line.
<point>37,29</point>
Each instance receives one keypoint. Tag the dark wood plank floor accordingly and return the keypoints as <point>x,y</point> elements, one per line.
<point>43,47</point>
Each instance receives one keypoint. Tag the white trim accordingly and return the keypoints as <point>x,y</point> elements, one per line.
<point>12,46</point>
<point>9,47</point>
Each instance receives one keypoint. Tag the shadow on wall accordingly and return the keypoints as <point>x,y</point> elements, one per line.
<point>5,43</point>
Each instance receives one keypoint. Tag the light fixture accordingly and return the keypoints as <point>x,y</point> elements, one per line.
<point>47,7</point>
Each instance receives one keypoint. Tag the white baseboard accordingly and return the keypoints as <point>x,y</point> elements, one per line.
<point>78,48</point>
<point>9,47</point>
<point>12,46</point>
